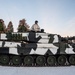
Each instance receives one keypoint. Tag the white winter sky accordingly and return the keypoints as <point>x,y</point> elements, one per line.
<point>54,16</point>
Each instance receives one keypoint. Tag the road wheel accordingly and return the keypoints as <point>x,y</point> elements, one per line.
<point>51,60</point>
<point>4,59</point>
<point>40,60</point>
<point>61,60</point>
<point>72,59</point>
<point>28,60</point>
<point>16,60</point>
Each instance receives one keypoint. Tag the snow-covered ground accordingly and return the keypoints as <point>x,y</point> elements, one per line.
<point>37,70</point>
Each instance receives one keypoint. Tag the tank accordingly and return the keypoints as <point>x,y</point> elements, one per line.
<point>35,49</point>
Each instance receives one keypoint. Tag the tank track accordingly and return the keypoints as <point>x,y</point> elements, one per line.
<point>37,61</point>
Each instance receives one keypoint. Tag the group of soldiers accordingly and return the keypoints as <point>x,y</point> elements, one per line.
<point>22,27</point>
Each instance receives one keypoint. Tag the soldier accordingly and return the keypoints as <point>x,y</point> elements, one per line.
<point>35,27</point>
<point>23,27</point>
<point>10,27</point>
<point>2,26</point>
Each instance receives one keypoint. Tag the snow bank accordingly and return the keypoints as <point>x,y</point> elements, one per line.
<point>37,70</point>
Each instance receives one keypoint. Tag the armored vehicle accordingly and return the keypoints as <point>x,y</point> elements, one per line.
<point>35,49</point>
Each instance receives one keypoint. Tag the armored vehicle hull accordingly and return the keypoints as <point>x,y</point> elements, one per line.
<point>35,49</point>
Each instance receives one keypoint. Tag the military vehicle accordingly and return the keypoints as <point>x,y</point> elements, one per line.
<point>35,49</point>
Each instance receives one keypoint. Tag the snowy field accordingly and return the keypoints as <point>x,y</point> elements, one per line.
<point>37,70</point>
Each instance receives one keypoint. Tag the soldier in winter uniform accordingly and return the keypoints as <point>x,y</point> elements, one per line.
<point>35,27</point>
